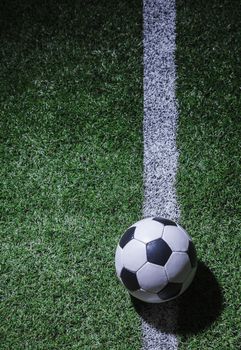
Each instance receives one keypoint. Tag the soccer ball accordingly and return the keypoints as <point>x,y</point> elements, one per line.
<point>155,260</point>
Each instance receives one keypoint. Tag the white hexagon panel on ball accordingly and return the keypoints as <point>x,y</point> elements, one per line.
<point>134,255</point>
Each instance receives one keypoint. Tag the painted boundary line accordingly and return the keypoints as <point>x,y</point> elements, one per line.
<point>160,153</point>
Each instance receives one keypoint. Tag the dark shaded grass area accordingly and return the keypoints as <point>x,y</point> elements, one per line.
<point>71,170</point>
<point>208,182</point>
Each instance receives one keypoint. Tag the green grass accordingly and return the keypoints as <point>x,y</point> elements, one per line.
<point>71,171</point>
<point>208,91</point>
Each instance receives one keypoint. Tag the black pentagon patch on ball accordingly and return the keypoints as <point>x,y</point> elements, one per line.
<point>158,252</point>
<point>165,221</point>
<point>127,236</point>
<point>129,279</point>
<point>192,254</point>
<point>170,291</point>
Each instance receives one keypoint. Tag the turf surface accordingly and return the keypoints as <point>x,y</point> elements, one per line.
<point>208,91</point>
<point>71,170</point>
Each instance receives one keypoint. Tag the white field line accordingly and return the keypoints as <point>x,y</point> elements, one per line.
<point>160,152</point>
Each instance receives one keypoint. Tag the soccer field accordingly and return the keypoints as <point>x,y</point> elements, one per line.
<point>71,118</point>
<point>208,181</point>
<point>71,171</point>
